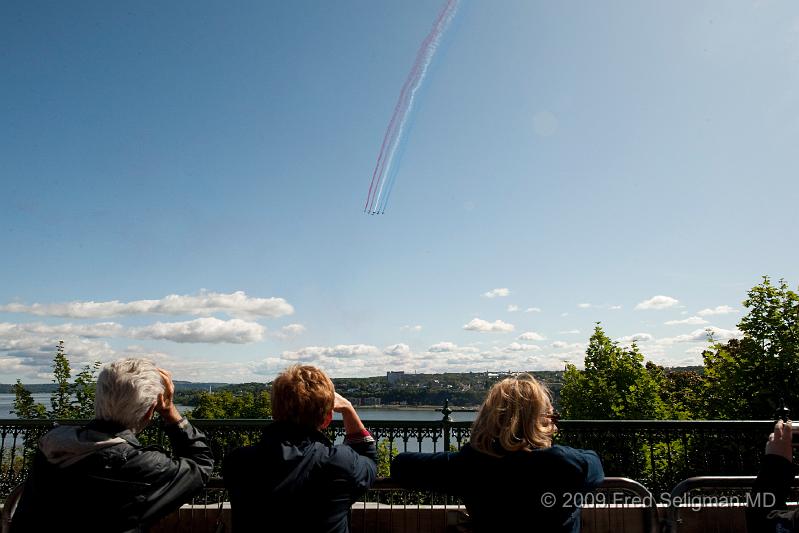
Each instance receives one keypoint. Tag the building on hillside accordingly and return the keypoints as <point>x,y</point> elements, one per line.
<point>395,377</point>
<point>373,401</point>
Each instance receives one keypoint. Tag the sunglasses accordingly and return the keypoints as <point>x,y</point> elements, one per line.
<point>553,417</point>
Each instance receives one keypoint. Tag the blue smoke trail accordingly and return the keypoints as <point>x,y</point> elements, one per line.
<point>385,173</point>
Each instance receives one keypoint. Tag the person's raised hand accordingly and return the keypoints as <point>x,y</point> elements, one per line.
<point>341,404</point>
<point>164,405</point>
<point>779,442</point>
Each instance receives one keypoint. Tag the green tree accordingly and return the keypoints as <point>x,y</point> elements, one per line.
<point>225,404</point>
<point>680,391</point>
<point>84,389</point>
<point>61,398</point>
<point>614,385</point>
<point>385,454</point>
<point>746,378</point>
<point>24,406</point>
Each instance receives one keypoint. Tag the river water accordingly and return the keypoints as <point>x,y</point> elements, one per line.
<point>405,413</point>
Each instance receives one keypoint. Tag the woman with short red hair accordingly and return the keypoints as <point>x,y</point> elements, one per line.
<point>295,479</point>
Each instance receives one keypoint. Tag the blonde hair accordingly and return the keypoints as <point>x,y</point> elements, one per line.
<point>512,417</point>
<point>304,395</point>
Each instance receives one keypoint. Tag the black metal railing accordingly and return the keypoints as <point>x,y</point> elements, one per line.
<point>657,453</point>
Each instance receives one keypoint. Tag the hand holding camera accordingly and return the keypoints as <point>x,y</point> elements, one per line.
<point>780,441</point>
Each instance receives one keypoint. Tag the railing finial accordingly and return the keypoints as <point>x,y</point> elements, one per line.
<point>446,411</point>
<point>782,412</point>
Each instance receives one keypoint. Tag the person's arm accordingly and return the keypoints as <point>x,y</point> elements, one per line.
<point>772,486</point>
<point>362,467</point>
<point>591,467</point>
<point>426,471</point>
<point>174,480</point>
<point>357,437</point>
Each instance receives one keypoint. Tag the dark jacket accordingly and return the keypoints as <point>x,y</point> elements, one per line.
<point>767,511</point>
<point>511,492</point>
<point>99,478</point>
<point>296,480</point>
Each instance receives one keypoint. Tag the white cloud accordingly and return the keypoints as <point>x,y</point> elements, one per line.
<point>657,302</point>
<point>313,353</point>
<point>718,310</point>
<point>693,320</point>
<point>574,347</point>
<point>101,329</point>
<point>497,326</point>
<point>293,329</point>
<point>203,304</point>
<point>397,349</point>
<point>288,331</point>
<point>445,347</point>
<point>533,310</point>
<point>636,337</point>
<point>26,350</point>
<point>414,329</point>
<point>598,306</point>
<point>570,332</point>
<point>517,347</point>
<point>206,330</point>
<point>495,293</point>
<point>531,336</point>
<point>513,308</point>
<point>701,335</point>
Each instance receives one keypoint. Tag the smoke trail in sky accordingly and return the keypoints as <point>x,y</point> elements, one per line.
<point>385,169</point>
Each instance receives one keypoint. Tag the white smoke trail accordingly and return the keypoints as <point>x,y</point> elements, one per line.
<point>376,203</point>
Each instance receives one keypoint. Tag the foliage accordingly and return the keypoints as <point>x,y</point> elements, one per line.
<point>84,389</point>
<point>680,391</point>
<point>24,406</point>
<point>68,399</point>
<point>60,399</point>
<point>614,385</point>
<point>385,454</point>
<point>225,404</point>
<point>745,378</point>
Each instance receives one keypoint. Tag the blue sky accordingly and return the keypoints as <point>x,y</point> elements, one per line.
<point>205,167</point>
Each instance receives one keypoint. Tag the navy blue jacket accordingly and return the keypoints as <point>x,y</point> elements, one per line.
<point>296,480</point>
<point>507,493</point>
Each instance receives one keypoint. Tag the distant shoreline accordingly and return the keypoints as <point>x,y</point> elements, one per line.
<point>389,407</point>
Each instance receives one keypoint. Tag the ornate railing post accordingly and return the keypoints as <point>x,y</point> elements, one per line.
<point>445,423</point>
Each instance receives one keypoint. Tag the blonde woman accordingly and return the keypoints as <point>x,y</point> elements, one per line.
<point>510,475</point>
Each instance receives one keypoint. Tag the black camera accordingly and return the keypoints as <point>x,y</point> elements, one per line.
<point>784,413</point>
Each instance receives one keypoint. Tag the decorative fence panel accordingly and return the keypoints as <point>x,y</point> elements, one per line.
<point>657,453</point>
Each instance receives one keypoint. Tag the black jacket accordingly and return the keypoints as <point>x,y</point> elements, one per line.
<point>539,490</point>
<point>296,480</point>
<point>767,511</point>
<point>99,478</point>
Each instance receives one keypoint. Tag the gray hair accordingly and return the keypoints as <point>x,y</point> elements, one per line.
<point>126,389</point>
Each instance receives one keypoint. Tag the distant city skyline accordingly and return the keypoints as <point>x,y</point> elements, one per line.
<point>186,182</point>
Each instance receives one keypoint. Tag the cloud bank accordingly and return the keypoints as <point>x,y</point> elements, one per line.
<point>205,303</point>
